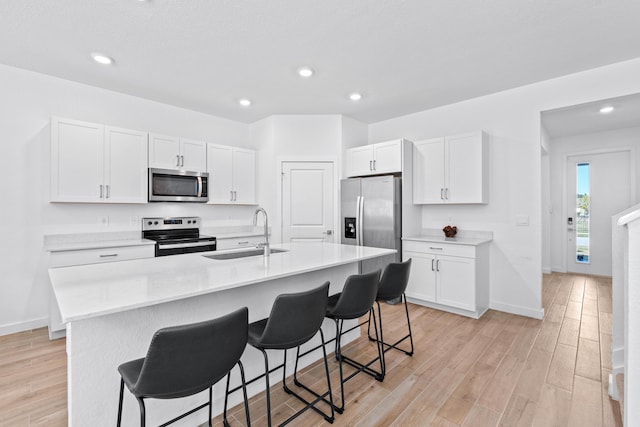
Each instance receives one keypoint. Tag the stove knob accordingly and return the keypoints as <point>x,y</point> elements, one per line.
<point>189,222</point>
<point>149,223</point>
<point>155,222</point>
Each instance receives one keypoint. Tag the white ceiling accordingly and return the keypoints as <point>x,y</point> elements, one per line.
<point>403,55</point>
<point>586,118</point>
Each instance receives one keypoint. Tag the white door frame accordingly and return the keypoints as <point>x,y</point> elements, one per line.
<point>565,214</point>
<point>336,187</point>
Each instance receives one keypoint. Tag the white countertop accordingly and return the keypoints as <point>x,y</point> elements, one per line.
<point>94,290</point>
<point>471,241</point>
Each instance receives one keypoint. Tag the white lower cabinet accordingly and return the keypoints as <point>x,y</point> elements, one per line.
<point>84,257</point>
<point>451,277</point>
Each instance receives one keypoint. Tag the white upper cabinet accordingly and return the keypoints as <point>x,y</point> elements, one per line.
<point>451,169</point>
<point>95,163</point>
<point>169,152</point>
<point>232,175</point>
<point>374,159</point>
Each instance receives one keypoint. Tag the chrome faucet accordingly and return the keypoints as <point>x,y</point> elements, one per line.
<point>264,245</point>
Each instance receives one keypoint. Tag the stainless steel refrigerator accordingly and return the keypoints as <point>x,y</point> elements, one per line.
<point>371,215</point>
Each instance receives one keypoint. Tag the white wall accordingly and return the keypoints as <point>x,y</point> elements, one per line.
<point>27,102</point>
<point>512,120</point>
<point>628,138</point>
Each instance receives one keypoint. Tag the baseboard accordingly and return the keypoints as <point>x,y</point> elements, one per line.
<point>516,309</point>
<point>546,270</point>
<point>23,326</point>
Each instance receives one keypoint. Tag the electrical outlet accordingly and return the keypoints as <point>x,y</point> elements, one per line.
<point>103,220</point>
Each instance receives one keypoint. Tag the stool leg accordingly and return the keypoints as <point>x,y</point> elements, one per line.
<point>225,422</point>
<point>120,402</point>
<point>406,309</point>
<point>210,404</point>
<point>326,370</point>
<point>266,379</point>
<point>339,324</point>
<point>244,392</point>
<point>142,411</point>
<point>381,343</point>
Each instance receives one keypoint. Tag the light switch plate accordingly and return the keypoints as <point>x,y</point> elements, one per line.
<point>522,220</point>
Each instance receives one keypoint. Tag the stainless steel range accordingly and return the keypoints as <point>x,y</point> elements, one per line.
<point>177,235</point>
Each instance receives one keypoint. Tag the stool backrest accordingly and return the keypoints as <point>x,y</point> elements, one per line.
<point>357,296</point>
<point>394,280</point>
<point>183,360</point>
<point>295,318</point>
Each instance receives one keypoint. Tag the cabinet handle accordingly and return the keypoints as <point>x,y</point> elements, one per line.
<point>182,161</point>
<point>234,195</point>
<point>101,191</point>
<point>437,265</point>
<point>108,191</point>
<point>108,255</point>
<point>435,248</point>
<point>178,160</point>
<point>243,243</point>
<point>374,165</point>
<point>432,269</point>
<point>446,193</point>
<point>231,195</point>
<point>370,165</point>
<point>442,194</point>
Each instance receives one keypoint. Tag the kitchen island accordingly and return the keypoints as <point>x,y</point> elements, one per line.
<point>112,310</point>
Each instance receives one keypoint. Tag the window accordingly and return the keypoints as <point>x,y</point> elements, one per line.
<point>583,207</point>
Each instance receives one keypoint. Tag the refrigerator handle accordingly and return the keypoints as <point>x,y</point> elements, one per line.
<point>359,213</point>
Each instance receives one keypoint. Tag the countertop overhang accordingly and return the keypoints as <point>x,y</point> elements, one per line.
<point>87,291</point>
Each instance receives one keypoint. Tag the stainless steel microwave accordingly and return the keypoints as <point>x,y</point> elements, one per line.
<point>167,185</point>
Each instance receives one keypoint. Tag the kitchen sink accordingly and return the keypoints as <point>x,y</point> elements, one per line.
<point>242,254</point>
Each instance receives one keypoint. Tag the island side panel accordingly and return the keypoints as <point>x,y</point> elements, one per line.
<point>96,346</point>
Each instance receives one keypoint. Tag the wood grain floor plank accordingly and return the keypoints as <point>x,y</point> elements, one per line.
<point>479,416</point>
<point>570,332</point>
<point>548,336</point>
<point>588,359</point>
<point>586,403</point>
<point>589,327</point>
<point>553,408</point>
<point>562,367</point>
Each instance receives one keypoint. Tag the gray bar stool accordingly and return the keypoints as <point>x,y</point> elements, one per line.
<point>294,320</point>
<point>355,300</point>
<point>393,284</point>
<point>185,360</point>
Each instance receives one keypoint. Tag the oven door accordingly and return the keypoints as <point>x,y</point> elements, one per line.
<point>168,247</point>
<point>166,185</point>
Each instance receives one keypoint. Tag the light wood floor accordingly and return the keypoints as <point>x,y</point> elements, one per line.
<point>499,370</point>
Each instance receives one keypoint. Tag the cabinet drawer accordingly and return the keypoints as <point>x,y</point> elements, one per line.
<point>96,256</point>
<point>240,242</point>
<point>437,248</point>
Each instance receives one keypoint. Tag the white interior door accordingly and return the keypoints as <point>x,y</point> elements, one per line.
<point>308,199</point>
<point>598,186</point>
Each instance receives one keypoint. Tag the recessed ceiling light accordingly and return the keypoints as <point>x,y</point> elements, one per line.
<point>305,72</point>
<point>102,58</point>
<point>355,96</point>
<point>606,110</point>
<point>244,102</point>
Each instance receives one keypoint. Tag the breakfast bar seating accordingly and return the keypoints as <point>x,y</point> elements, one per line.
<point>393,284</point>
<point>355,300</point>
<point>294,320</point>
<point>185,360</point>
